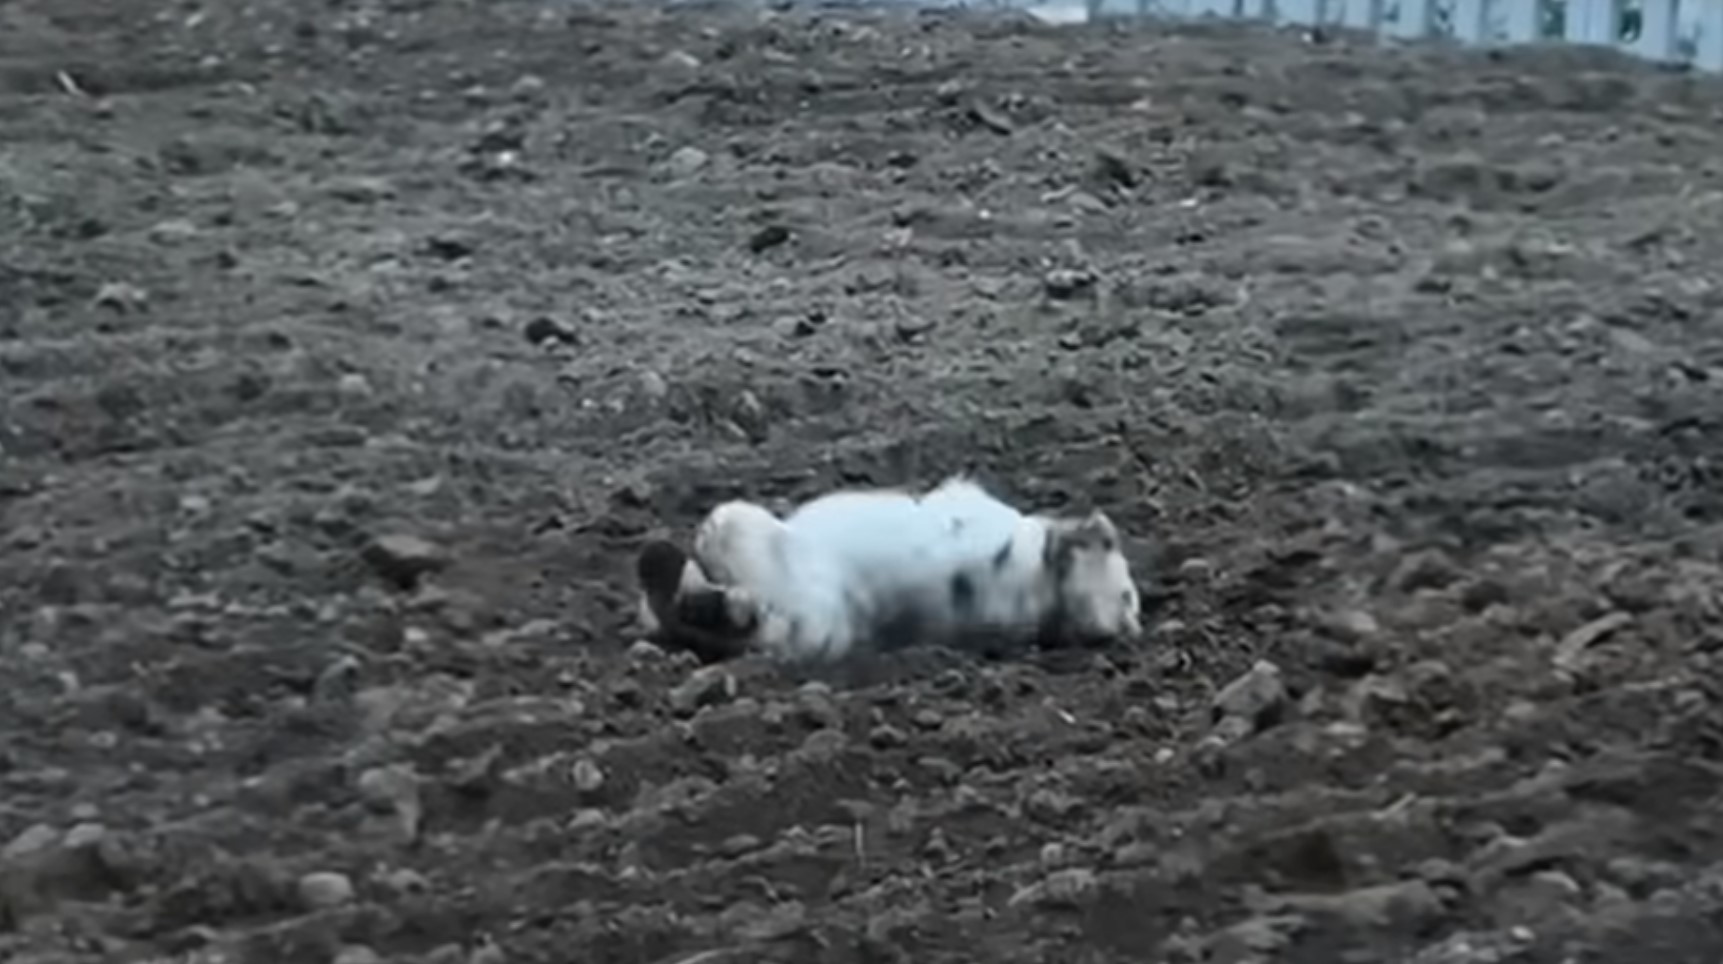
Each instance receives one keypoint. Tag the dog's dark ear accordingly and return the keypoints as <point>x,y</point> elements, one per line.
<point>1067,537</point>
<point>1098,532</point>
<point>659,568</point>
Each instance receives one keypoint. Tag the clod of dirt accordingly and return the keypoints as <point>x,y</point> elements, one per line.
<point>41,867</point>
<point>680,60</point>
<point>394,791</point>
<point>1248,704</point>
<point>450,246</point>
<point>1570,652</point>
<point>1111,167</point>
<point>887,737</point>
<point>404,559</point>
<point>357,954</point>
<point>991,119</point>
<point>1406,906</point>
<point>542,329</point>
<point>121,297</point>
<point>338,682</point>
<point>1063,284</point>
<point>706,686</point>
<point>686,162</point>
<point>1070,888</point>
<point>325,889</point>
<point>1254,941</point>
<point>767,238</point>
<point>360,189</point>
<point>587,776</point>
<point>174,232</point>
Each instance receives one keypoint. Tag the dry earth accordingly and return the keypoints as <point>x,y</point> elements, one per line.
<point>349,349</point>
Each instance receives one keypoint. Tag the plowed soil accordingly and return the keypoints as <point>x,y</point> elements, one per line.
<point>348,351</point>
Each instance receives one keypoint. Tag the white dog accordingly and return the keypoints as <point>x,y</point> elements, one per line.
<point>886,569</point>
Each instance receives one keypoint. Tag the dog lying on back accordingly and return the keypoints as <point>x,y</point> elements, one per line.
<point>887,569</point>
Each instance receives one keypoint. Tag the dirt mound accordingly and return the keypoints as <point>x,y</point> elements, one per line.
<point>348,351</point>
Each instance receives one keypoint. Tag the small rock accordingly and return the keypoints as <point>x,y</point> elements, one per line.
<point>885,737</point>
<point>338,682</point>
<point>360,189</point>
<point>174,231</point>
<point>403,559</point>
<point>487,952</point>
<point>1196,570</point>
<point>527,87</point>
<point>393,789</point>
<point>357,954</point>
<point>1062,284</point>
<point>542,329</point>
<point>1256,697</point>
<point>653,386</point>
<point>768,237</point>
<point>34,838</point>
<point>84,835</point>
<point>121,297</point>
<point>751,414</point>
<point>738,845</point>
<point>706,686</point>
<point>449,246</point>
<point>405,882</point>
<point>1113,167</point>
<point>320,891</point>
<point>686,162</point>
<point>795,326</point>
<point>928,719</point>
<point>1070,888</point>
<point>354,385</point>
<point>1352,626</point>
<point>1570,651</point>
<point>587,776</point>
<point>680,60</point>
<point>909,330</point>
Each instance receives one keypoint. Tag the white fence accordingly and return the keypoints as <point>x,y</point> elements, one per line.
<point>1669,31</point>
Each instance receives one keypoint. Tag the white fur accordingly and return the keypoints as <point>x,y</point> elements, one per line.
<point>830,576</point>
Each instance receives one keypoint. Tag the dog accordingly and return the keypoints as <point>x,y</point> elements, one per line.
<point>887,569</point>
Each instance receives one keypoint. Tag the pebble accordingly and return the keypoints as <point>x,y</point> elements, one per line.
<point>1065,283</point>
<point>587,776</point>
<point>687,161</point>
<point>338,681</point>
<point>1069,888</point>
<point>361,189</point>
<point>886,737</point>
<point>322,890</point>
<point>1254,696</point>
<point>403,559</point>
<point>34,838</point>
<point>174,231</point>
<point>928,719</point>
<point>121,296</point>
<point>706,686</point>
<point>543,329</point>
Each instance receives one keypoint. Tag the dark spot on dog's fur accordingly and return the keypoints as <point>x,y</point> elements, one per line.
<point>1060,552</point>
<point>962,594</point>
<point>1002,557</point>
<point>704,610</point>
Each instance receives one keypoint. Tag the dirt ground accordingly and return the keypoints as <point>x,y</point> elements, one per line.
<point>348,350</point>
